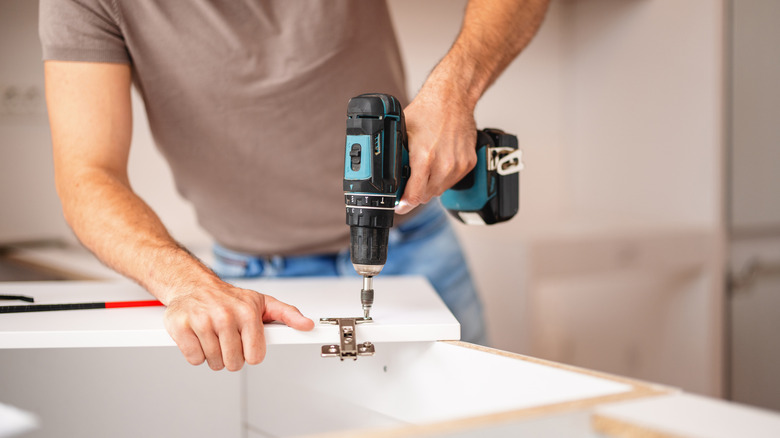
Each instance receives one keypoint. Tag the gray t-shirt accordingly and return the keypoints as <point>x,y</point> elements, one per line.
<point>247,101</point>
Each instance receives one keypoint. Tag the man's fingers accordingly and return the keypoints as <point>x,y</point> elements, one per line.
<point>232,349</point>
<point>189,344</point>
<point>425,183</point>
<point>253,341</point>
<point>404,207</point>
<point>414,192</point>
<point>276,310</point>
<point>210,345</point>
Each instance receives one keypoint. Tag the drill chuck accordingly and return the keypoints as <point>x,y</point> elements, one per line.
<point>368,249</point>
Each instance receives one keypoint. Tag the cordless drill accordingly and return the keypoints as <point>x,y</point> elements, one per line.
<point>376,168</point>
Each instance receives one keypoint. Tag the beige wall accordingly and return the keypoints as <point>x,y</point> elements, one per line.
<point>29,208</point>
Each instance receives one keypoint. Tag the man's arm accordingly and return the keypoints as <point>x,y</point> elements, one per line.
<point>440,119</point>
<point>91,123</point>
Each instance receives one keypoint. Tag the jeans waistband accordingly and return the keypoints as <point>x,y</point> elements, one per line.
<point>229,263</point>
<point>235,264</point>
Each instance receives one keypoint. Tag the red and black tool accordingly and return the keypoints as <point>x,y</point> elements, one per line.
<point>73,306</point>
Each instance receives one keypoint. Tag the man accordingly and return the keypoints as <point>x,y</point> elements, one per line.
<point>246,100</point>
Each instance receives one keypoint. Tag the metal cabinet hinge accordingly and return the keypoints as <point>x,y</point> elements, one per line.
<point>348,346</point>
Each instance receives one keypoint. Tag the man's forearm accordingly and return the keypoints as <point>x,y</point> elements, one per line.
<point>440,120</point>
<point>128,236</point>
<point>91,124</point>
<point>493,33</point>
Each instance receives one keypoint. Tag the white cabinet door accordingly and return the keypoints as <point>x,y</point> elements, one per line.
<point>120,392</point>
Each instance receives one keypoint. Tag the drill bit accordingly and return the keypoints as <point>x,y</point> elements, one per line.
<point>367,295</point>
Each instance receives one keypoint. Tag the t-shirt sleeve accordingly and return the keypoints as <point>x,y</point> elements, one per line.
<point>81,30</point>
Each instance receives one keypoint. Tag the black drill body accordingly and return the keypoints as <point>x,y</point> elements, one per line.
<point>373,181</point>
<point>376,136</point>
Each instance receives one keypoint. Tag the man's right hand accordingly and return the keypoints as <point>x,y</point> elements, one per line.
<point>223,324</point>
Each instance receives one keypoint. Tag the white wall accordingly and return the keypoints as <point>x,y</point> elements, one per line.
<point>29,208</point>
<point>643,110</point>
<point>643,138</point>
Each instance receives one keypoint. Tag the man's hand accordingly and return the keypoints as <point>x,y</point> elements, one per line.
<point>223,324</point>
<point>442,134</point>
<point>440,120</point>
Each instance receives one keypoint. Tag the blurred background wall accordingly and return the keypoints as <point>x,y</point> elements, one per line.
<point>639,144</point>
<point>753,165</point>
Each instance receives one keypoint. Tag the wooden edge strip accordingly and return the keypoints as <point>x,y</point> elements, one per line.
<point>637,385</point>
<point>639,389</point>
<point>622,429</point>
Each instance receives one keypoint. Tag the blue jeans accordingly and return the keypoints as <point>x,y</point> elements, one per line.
<point>424,245</point>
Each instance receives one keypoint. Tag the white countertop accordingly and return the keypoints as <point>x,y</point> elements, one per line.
<point>405,309</point>
<point>686,415</point>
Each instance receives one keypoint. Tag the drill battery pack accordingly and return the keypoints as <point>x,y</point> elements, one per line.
<point>490,193</point>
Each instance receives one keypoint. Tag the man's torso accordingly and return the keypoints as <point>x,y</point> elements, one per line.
<point>247,102</point>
